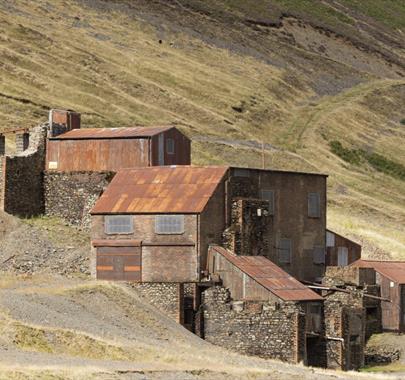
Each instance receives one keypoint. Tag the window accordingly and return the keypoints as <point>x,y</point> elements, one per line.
<point>119,224</point>
<point>343,256</point>
<point>314,210</point>
<point>284,251</point>
<point>319,255</point>
<point>330,239</point>
<point>268,195</point>
<point>170,146</point>
<point>241,172</point>
<point>169,224</point>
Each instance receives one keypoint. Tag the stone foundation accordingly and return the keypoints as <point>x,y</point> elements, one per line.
<point>72,195</point>
<point>253,327</point>
<point>165,296</point>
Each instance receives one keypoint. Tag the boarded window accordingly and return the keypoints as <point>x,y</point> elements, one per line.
<point>319,255</point>
<point>284,251</point>
<point>268,195</point>
<point>314,210</point>
<point>343,256</point>
<point>330,239</point>
<point>169,224</point>
<point>161,152</point>
<point>170,146</point>
<point>241,172</point>
<point>119,224</point>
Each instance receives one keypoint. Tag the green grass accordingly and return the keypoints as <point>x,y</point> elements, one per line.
<point>388,12</point>
<point>389,368</point>
<point>377,161</point>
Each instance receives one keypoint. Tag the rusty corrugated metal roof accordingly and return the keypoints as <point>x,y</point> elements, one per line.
<point>160,189</point>
<point>111,133</point>
<point>394,270</point>
<point>270,276</point>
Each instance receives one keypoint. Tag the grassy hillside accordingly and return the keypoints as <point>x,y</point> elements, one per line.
<point>300,76</point>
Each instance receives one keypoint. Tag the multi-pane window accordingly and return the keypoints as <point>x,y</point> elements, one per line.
<point>319,255</point>
<point>170,146</point>
<point>314,205</point>
<point>119,224</point>
<point>284,251</point>
<point>268,195</point>
<point>169,224</point>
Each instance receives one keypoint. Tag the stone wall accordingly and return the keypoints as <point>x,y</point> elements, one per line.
<point>22,178</point>
<point>252,327</point>
<point>248,234</point>
<point>72,195</point>
<point>345,330</point>
<point>165,296</point>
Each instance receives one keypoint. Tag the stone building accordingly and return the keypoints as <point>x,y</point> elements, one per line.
<point>276,214</point>
<point>259,309</point>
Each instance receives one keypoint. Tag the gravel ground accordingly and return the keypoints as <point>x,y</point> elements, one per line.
<point>102,319</point>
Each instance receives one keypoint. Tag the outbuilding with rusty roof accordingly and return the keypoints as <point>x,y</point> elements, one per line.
<point>111,149</point>
<point>390,275</point>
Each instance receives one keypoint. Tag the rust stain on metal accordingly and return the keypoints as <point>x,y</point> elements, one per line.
<point>270,276</point>
<point>169,189</point>
<point>112,133</point>
<point>394,270</point>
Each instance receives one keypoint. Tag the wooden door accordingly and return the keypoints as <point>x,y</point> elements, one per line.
<point>119,263</point>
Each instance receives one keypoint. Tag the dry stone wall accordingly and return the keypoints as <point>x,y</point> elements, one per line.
<point>72,195</point>
<point>251,327</point>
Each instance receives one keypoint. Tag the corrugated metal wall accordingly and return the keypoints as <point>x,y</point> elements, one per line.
<point>97,155</point>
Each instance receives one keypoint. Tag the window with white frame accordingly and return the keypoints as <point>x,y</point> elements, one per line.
<point>118,224</point>
<point>284,251</point>
<point>170,146</point>
<point>314,205</point>
<point>319,255</point>
<point>268,195</point>
<point>169,224</point>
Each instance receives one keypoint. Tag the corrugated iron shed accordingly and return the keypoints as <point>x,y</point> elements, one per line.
<point>394,270</point>
<point>270,276</point>
<point>164,189</point>
<point>112,133</point>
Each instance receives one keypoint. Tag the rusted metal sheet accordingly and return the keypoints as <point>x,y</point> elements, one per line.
<point>97,155</point>
<point>268,275</point>
<point>112,133</point>
<point>119,263</point>
<point>181,189</point>
<point>393,270</point>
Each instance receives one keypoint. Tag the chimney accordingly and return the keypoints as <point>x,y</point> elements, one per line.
<point>61,121</point>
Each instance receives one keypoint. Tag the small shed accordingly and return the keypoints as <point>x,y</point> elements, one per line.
<point>340,251</point>
<point>111,149</point>
<point>256,278</point>
<point>390,275</point>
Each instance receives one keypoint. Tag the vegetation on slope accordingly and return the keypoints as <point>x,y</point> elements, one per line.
<point>230,74</point>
